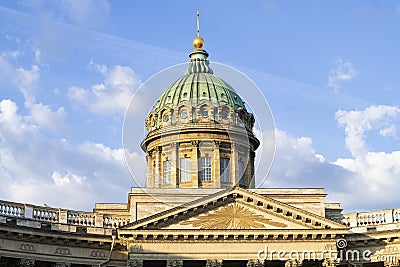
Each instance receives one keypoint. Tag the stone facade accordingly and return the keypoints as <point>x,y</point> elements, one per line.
<point>200,207</point>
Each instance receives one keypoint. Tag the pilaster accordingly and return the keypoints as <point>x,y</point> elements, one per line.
<point>157,173</point>
<point>194,164</point>
<point>174,164</point>
<point>149,176</point>
<point>234,164</point>
<point>216,170</point>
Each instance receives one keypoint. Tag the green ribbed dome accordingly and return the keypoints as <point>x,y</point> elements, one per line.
<point>198,85</point>
<point>194,88</point>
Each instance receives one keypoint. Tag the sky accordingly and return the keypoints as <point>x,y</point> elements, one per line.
<point>328,69</point>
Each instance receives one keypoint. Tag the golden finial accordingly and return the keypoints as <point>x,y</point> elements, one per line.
<point>198,42</point>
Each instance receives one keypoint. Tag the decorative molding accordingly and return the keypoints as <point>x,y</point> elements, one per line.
<point>26,247</point>
<point>232,216</point>
<point>97,254</point>
<point>63,251</point>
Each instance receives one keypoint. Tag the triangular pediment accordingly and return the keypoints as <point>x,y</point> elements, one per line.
<point>235,208</point>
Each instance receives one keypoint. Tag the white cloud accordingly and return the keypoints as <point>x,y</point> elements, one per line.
<point>343,72</point>
<point>113,95</point>
<point>43,116</point>
<point>367,180</point>
<point>357,123</point>
<point>39,169</point>
<point>63,179</point>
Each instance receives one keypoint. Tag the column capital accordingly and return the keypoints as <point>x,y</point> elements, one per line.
<point>329,262</point>
<point>174,144</point>
<point>26,262</point>
<point>159,149</point>
<point>293,263</point>
<point>391,263</point>
<point>217,144</point>
<point>174,263</point>
<point>135,263</point>
<point>214,263</point>
<point>194,143</point>
<point>255,263</point>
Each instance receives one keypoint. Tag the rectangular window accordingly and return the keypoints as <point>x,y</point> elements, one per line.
<point>205,169</point>
<point>241,172</point>
<point>167,172</point>
<point>184,170</point>
<point>225,170</point>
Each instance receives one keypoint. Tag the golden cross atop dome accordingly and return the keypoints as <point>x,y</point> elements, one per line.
<point>198,42</point>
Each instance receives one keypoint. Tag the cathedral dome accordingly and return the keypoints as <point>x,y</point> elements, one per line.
<point>200,134</point>
<point>199,95</point>
<point>197,87</point>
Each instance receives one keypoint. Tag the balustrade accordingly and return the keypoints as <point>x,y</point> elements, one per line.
<point>45,214</point>
<point>114,221</point>
<point>81,218</point>
<point>12,209</point>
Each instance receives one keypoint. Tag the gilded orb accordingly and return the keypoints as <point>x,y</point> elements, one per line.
<point>198,43</point>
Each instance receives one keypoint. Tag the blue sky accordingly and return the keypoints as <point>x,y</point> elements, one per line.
<point>329,70</point>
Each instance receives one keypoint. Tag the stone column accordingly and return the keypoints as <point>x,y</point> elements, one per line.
<point>175,164</point>
<point>214,263</point>
<point>157,173</point>
<point>234,165</point>
<point>194,164</point>
<point>174,263</point>
<point>254,263</point>
<point>216,169</point>
<point>26,262</point>
<point>149,174</point>
<point>135,263</point>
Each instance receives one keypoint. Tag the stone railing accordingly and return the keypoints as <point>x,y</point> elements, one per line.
<point>372,218</point>
<point>113,221</point>
<point>12,209</point>
<point>61,216</point>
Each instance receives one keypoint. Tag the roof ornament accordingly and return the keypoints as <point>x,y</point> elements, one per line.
<point>198,22</point>
<point>198,42</point>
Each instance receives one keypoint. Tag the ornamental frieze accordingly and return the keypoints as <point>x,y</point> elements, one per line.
<point>233,216</point>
